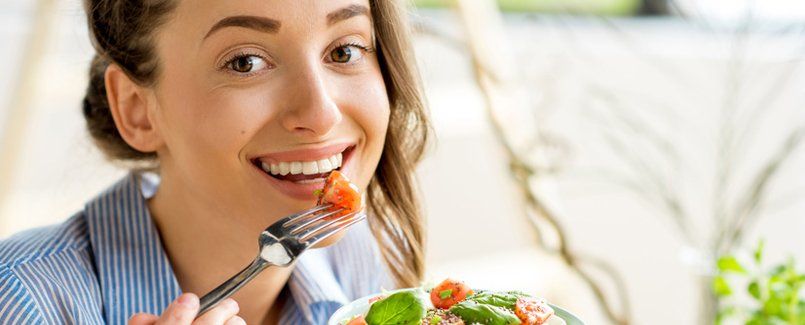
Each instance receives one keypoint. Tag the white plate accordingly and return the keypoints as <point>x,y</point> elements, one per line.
<point>361,306</point>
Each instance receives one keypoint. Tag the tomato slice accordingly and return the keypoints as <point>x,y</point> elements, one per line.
<point>449,293</point>
<point>359,320</point>
<point>341,193</point>
<point>532,311</point>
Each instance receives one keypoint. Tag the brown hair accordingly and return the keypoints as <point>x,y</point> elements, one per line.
<point>122,32</point>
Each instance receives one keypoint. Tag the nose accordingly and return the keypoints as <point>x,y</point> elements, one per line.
<point>310,110</point>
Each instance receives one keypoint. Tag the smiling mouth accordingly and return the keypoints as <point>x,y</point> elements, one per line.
<point>304,172</point>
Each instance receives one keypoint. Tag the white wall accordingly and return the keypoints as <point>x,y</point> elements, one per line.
<point>674,77</point>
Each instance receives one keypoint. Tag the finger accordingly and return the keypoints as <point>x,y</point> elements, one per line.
<point>142,319</point>
<point>182,311</point>
<point>235,320</point>
<point>219,314</point>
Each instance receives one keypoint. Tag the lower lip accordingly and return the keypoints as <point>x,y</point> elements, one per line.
<point>299,191</point>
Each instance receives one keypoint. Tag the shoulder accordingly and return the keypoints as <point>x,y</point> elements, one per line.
<point>44,242</point>
<point>16,301</point>
<point>47,275</point>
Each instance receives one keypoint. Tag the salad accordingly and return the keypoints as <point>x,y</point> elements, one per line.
<point>454,303</point>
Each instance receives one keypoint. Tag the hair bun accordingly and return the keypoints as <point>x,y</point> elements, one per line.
<point>121,32</point>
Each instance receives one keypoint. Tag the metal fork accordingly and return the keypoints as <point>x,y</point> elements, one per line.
<point>281,243</point>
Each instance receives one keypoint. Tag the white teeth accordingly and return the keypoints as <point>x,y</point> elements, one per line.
<point>310,168</point>
<point>296,167</point>
<point>324,165</point>
<point>304,167</point>
<point>310,181</point>
<point>285,168</point>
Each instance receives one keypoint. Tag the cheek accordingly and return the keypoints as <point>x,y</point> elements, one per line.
<point>200,122</point>
<point>371,110</point>
<point>371,114</point>
<point>200,118</point>
<point>375,120</point>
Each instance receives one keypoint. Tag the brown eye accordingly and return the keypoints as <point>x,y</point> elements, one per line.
<point>341,54</point>
<point>247,64</point>
<point>243,64</point>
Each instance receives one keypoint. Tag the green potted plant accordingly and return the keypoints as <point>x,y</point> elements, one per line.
<point>754,294</point>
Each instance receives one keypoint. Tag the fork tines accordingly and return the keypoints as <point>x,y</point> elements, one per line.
<point>318,233</point>
<point>321,223</point>
<point>304,216</point>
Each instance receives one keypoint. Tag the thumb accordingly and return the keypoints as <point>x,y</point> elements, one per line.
<point>180,312</point>
<point>143,319</point>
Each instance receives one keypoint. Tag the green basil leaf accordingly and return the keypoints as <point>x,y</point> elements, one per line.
<point>472,312</point>
<point>499,299</point>
<point>401,308</point>
<point>444,294</point>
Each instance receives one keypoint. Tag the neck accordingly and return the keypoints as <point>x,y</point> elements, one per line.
<point>206,248</point>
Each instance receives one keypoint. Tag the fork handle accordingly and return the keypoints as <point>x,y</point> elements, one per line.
<point>232,285</point>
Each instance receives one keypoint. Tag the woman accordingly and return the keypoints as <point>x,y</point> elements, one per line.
<point>231,102</point>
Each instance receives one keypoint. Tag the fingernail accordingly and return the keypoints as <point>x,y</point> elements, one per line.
<point>187,300</point>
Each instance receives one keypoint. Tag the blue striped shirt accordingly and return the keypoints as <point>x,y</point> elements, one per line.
<point>107,263</point>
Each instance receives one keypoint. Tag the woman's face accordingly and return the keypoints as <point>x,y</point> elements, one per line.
<point>258,99</point>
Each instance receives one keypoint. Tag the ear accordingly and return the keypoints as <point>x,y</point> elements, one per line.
<point>132,108</point>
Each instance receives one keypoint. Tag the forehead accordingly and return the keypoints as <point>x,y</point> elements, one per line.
<point>203,14</point>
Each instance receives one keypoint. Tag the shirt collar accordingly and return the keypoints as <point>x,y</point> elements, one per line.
<point>135,274</point>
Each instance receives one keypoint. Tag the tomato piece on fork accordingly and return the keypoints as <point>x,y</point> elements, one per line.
<point>341,193</point>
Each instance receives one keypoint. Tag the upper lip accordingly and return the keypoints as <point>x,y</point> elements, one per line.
<point>311,154</point>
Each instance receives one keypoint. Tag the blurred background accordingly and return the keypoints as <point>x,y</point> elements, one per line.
<point>635,161</point>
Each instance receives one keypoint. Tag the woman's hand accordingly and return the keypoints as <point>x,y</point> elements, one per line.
<point>183,310</point>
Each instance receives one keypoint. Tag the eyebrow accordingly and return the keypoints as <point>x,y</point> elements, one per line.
<point>268,25</point>
<point>347,13</point>
<point>262,24</point>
